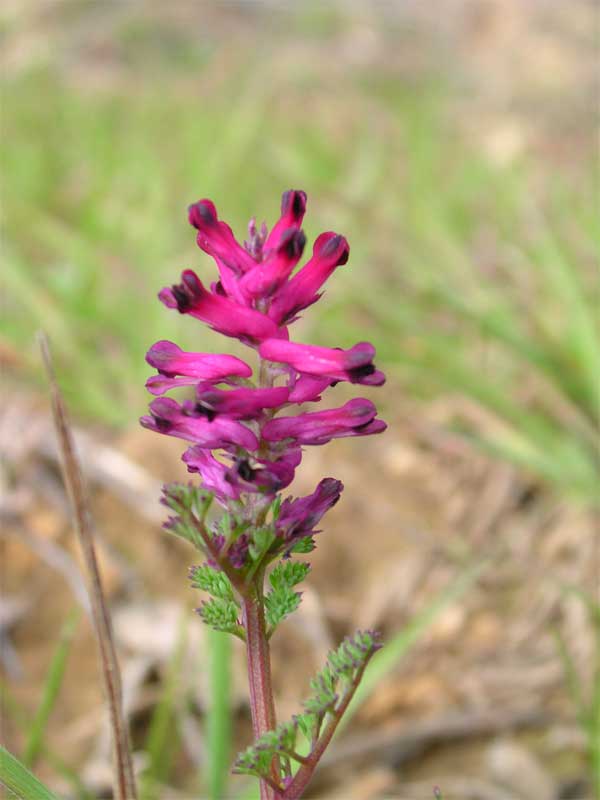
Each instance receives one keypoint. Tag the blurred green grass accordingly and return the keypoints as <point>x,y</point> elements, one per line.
<point>474,279</point>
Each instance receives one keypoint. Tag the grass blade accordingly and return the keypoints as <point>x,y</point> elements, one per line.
<point>52,686</point>
<point>160,742</point>
<point>218,721</point>
<point>18,780</point>
<point>21,720</point>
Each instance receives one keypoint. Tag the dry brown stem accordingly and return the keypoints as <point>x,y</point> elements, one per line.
<point>124,781</point>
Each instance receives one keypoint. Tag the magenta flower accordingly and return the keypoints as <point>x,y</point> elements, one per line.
<point>356,418</point>
<point>172,360</point>
<point>237,403</point>
<point>167,416</point>
<point>298,518</point>
<point>329,252</point>
<point>221,313</point>
<point>354,365</point>
<point>178,368</point>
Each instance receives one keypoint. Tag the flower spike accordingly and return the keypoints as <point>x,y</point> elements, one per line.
<point>245,442</point>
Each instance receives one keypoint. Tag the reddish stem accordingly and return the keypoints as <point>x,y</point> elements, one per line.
<point>259,679</point>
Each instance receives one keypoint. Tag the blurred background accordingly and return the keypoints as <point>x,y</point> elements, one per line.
<point>453,144</point>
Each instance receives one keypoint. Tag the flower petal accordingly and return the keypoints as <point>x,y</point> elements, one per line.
<point>293,207</point>
<point>330,251</point>
<point>354,365</point>
<point>221,313</point>
<point>171,360</point>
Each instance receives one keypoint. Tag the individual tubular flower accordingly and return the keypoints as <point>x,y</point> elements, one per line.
<point>330,251</point>
<point>305,388</point>
<point>236,403</point>
<point>354,365</point>
<point>167,416</point>
<point>216,476</point>
<point>221,313</point>
<point>216,238</point>
<point>355,418</point>
<point>180,368</point>
<point>298,518</point>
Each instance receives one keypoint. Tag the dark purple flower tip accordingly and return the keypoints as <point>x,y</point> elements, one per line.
<point>216,238</point>
<point>354,365</point>
<point>332,248</point>
<point>293,208</point>
<point>293,204</point>
<point>298,518</point>
<point>184,295</point>
<point>167,416</point>
<point>268,275</point>
<point>202,214</point>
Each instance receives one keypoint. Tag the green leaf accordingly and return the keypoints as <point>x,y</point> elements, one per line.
<point>222,615</point>
<point>283,600</point>
<point>279,604</point>
<point>213,581</point>
<point>17,779</point>
<point>343,667</point>
<point>288,574</point>
<point>161,742</point>
<point>256,759</point>
<point>305,545</point>
<point>260,541</point>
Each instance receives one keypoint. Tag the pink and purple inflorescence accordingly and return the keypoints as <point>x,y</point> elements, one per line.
<point>241,446</point>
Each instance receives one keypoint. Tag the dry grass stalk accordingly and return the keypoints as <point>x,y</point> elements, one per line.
<point>124,781</point>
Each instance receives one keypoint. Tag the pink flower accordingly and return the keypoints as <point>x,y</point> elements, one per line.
<point>237,403</point>
<point>355,418</point>
<point>298,518</point>
<point>354,365</point>
<point>216,476</point>
<point>221,313</point>
<point>242,473</point>
<point>329,252</point>
<point>305,388</point>
<point>216,238</point>
<point>167,416</point>
<point>171,360</point>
